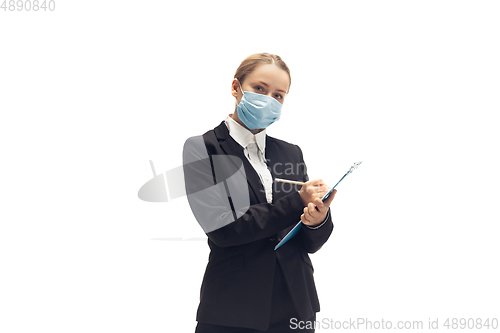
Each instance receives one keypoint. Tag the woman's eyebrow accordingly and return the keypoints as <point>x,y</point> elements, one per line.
<point>268,86</point>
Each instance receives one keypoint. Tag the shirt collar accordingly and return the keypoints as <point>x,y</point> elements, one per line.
<point>243,136</point>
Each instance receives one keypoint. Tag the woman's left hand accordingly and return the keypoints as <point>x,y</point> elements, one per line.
<point>312,216</point>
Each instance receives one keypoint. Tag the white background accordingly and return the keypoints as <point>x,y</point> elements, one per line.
<point>92,91</point>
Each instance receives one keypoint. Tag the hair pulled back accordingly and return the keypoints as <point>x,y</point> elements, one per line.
<point>248,65</point>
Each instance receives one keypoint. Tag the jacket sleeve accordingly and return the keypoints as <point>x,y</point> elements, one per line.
<point>312,239</point>
<point>218,194</point>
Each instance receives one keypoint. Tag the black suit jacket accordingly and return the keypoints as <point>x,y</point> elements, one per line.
<point>237,285</point>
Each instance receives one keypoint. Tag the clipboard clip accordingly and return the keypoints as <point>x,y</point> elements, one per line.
<point>351,169</point>
<point>354,166</point>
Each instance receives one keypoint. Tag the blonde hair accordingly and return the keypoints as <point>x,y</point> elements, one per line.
<point>248,65</point>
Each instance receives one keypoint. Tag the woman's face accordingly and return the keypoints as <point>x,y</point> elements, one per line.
<point>266,79</point>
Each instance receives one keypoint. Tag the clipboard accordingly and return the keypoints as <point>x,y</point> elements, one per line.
<point>296,229</point>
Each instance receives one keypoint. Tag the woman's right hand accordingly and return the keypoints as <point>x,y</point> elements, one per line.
<point>312,190</point>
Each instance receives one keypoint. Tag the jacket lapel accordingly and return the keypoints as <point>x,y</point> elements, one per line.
<point>276,159</point>
<point>272,155</point>
<point>231,147</point>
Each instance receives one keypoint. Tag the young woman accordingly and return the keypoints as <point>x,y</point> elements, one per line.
<point>249,286</point>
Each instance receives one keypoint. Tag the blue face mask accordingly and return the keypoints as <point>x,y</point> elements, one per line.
<point>258,111</point>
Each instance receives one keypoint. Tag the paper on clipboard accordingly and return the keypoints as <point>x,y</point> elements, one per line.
<point>295,229</point>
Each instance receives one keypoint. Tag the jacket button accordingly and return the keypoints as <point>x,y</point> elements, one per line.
<point>271,239</point>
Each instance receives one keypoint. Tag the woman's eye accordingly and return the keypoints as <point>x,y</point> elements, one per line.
<point>278,96</point>
<point>259,88</point>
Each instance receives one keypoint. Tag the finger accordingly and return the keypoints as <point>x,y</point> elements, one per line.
<point>304,217</point>
<point>311,209</point>
<point>320,189</point>
<point>319,205</point>
<point>306,212</point>
<point>329,200</point>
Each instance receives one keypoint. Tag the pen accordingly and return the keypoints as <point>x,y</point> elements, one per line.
<point>288,181</point>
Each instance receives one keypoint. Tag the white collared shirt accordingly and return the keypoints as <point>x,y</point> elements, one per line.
<point>254,148</point>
